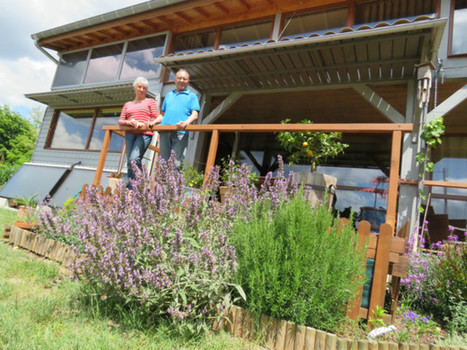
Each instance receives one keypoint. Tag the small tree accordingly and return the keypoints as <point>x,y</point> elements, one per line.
<point>17,138</point>
<point>312,147</point>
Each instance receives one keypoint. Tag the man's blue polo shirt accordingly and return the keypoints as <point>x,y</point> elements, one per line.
<point>178,106</point>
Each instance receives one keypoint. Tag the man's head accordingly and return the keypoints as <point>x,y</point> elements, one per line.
<point>182,79</point>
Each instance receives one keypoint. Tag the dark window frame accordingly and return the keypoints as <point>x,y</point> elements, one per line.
<point>53,126</point>
<point>450,33</point>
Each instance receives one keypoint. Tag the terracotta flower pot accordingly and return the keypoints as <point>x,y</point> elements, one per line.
<point>30,226</point>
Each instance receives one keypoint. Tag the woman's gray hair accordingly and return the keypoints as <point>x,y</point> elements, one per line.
<point>140,80</point>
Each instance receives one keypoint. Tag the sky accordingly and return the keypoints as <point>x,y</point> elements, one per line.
<point>23,68</point>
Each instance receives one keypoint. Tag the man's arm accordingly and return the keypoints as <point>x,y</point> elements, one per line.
<point>191,119</point>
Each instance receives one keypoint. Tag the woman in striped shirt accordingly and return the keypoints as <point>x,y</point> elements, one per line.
<point>137,114</point>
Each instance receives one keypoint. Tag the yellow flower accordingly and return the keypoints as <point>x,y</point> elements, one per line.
<point>305,144</point>
<point>310,152</point>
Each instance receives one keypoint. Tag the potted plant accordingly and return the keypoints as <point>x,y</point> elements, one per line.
<point>230,171</point>
<point>194,179</point>
<point>312,148</point>
<point>27,211</point>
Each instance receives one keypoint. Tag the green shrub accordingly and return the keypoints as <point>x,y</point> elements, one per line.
<point>294,266</point>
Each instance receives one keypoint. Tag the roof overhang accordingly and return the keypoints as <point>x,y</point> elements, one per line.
<point>113,95</point>
<point>380,52</point>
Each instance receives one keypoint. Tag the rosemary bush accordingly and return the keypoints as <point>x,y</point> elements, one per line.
<point>294,266</point>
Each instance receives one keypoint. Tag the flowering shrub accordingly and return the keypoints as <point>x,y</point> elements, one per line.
<point>153,248</point>
<point>437,281</point>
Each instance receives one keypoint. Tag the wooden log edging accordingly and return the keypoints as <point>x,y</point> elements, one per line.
<point>284,335</point>
<point>48,248</point>
<point>270,332</point>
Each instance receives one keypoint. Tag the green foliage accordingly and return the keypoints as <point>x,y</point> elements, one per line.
<point>30,201</point>
<point>378,318</point>
<point>312,147</point>
<point>294,266</point>
<point>450,275</point>
<point>231,170</point>
<point>458,320</point>
<point>431,134</point>
<point>193,177</point>
<point>17,138</point>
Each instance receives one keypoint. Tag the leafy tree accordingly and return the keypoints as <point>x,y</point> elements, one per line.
<point>17,139</point>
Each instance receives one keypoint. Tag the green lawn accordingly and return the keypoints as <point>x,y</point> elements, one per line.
<point>40,309</point>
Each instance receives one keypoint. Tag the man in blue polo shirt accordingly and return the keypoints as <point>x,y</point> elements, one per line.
<point>180,108</point>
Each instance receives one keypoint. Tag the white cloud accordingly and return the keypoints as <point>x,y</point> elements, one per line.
<point>24,76</point>
<point>23,68</point>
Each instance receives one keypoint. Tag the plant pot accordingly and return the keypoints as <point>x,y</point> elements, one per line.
<point>113,182</point>
<point>222,192</point>
<point>315,187</point>
<point>30,226</point>
<point>25,212</point>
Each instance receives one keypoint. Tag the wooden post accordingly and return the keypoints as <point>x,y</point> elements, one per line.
<point>212,153</point>
<point>103,155</point>
<point>378,286</point>
<point>364,228</point>
<point>394,178</point>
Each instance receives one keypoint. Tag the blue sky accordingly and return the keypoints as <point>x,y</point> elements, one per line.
<point>23,68</point>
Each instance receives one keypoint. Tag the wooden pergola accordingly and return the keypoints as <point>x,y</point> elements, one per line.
<point>396,130</point>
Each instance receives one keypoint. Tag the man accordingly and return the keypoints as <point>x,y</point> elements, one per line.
<point>180,108</point>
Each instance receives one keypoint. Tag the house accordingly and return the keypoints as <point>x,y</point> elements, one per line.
<point>261,61</point>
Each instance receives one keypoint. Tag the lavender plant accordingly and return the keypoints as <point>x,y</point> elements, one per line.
<point>152,248</point>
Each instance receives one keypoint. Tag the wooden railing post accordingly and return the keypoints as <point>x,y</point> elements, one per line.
<point>394,178</point>
<point>212,153</point>
<point>380,273</point>
<point>353,310</point>
<point>102,157</point>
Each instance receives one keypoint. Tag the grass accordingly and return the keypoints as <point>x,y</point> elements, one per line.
<point>40,308</point>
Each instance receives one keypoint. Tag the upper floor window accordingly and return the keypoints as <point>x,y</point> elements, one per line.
<point>246,32</point>
<point>197,40</point>
<point>311,22</point>
<point>81,129</point>
<point>459,28</point>
<point>381,10</point>
<point>121,61</point>
<point>103,64</point>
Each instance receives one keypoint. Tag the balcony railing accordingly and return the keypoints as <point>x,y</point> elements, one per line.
<point>396,130</point>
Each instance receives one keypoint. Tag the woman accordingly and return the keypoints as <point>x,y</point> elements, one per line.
<point>137,114</point>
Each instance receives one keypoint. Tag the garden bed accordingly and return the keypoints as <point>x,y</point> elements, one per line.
<point>275,334</point>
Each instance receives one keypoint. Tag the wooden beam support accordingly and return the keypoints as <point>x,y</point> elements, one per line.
<point>220,109</point>
<point>450,103</point>
<point>377,101</point>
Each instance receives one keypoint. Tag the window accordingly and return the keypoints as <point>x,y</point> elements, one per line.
<point>381,10</point>
<point>459,28</point>
<point>194,41</point>
<point>103,65</point>
<point>106,116</point>
<point>246,32</point>
<point>139,57</point>
<point>327,19</point>
<point>82,129</point>
<point>71,69</point>
<point>123,61</point>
